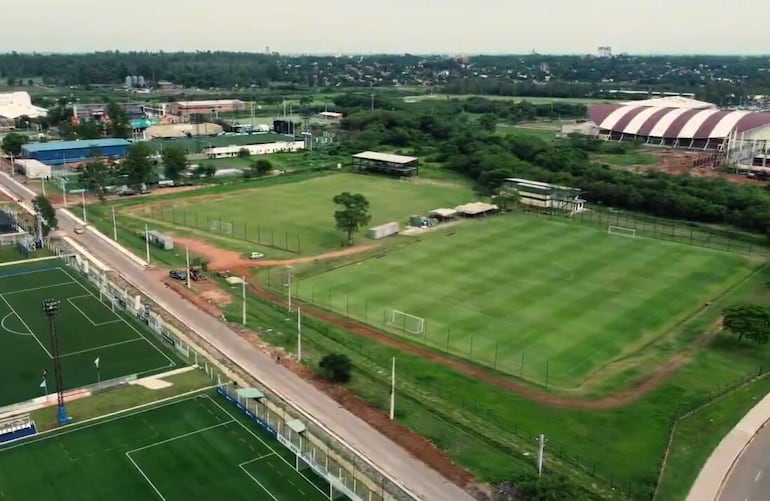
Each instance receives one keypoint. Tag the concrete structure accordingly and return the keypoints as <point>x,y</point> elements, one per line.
<point>63,152</point>
<point>205,107</point>
<point>17,104</point>
<point>177,131</point>
<point>32,169</point>
<point>253,149</point>
<point>386,163</point>
<point>547,196</point>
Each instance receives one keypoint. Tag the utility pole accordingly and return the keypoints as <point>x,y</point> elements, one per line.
<point>147,242</point>
<point>299,333</point>
<point>64,190</point>
<point>540,452</point>
<point>114,226</point>
<point>393,390</point>
<point>372,96</point>
<point>243,296</point>
<point>187,262</point>
<point>289,271</point>
<point>83,201</point>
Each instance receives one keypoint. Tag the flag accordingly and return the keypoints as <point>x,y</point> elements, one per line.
<point>96,362</point>
<point>42,383</point>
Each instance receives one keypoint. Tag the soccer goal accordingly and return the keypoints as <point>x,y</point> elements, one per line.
<point>221,227</point>
<point>621,231</point>
<point>408,323</point>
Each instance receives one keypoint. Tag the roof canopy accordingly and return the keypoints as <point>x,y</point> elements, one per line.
<point>73,145</point>
<point>17,104</point>
<point>473,208</point>
<point>384,157</point>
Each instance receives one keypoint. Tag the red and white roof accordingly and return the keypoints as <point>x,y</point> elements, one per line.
<point>675,122</point>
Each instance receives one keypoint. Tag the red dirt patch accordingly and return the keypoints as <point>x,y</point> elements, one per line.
<point>221,259</point>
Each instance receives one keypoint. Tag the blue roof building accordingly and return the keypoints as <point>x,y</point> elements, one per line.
<point>64,152</point>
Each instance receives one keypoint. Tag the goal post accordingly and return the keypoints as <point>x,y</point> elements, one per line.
<point>621,231</point>
<point>404,321</point>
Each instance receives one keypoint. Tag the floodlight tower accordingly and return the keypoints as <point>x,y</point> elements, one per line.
<point>51,310</point>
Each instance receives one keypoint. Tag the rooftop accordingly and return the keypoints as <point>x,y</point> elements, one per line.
<point>384,157</point>
<point>74,145</point>
<point>210,102</point>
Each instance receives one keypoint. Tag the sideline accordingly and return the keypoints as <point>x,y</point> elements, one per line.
<point>714,474</point>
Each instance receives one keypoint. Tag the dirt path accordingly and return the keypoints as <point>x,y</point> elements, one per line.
<point>623,397</point>
<point>221,259</point>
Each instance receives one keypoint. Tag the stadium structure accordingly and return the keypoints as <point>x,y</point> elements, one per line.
<point>64,152</point>
<point>739,137</point>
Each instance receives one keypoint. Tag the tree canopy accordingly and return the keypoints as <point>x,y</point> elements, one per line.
<point>137,166</point>
<point>748,321</point>
<point>94,176</point>
<point>13,142</point>
<point>47,212</point>
<point>353,213</point>
<point>337,367</point>
<point>174,162</point>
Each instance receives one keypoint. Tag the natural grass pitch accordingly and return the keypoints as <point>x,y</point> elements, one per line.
<point>544,300</point>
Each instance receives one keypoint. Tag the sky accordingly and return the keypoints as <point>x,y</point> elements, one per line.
<point>389,26</point>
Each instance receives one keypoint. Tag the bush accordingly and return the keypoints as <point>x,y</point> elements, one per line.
<point>336,367</point>
<point>243,153</point>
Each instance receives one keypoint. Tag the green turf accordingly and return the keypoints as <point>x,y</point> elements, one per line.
<point>536,298</point>
<point>194,448</point>
<point>300,215</point>
<point>86,328</point>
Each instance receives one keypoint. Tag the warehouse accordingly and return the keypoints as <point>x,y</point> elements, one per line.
<point>32,169</point>
<point>254,149</point>
<point>64,152</point>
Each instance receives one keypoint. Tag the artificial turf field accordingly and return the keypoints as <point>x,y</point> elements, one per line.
<point>533,297</point>
<point>193,448</point>
<point>87,329</point>
<point>304,209</point>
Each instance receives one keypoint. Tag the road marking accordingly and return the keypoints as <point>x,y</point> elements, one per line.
<point>756,478</point>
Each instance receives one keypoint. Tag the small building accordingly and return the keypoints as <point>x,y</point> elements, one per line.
<point>253,149</point>
<point>476,209</point>
<point>32,169</point>
<point>331,115</point>
<point>547,196</point>
<point>443,214</point>
<point>386,163</point>
<point>64,152</point>
<point>205,107</point>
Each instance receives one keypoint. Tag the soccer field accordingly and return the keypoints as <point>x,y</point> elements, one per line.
<point>193,448</point>
<point>300,215</point>
<point>87,329</point>
<point>537,298</point>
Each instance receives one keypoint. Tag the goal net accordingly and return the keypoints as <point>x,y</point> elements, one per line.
<point>221,227</point>
<point>621,231</point>
<point>404,321</point>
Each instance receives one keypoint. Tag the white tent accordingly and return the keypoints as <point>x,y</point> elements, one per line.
<point>33,169</point>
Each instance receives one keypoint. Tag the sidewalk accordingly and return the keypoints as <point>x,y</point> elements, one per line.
<point>719,465</point>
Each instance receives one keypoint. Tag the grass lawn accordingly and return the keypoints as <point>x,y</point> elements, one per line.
<point>87,328</point>
<point>698,435</point>
<point>633,158</point>
<point>193,448</point>
<point>299,215</point>
<point>536,298</point>
<point>282,161</point>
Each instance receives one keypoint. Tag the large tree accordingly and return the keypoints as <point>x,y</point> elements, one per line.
<point>119,124</point>
<point>93,175</point>
<point>137,166</point>
<point>337,367</point>
<point>46,211</point>
<point>353,213</point>
<point>13,142</point>
<point>174,162</point>
<point>748,320</point>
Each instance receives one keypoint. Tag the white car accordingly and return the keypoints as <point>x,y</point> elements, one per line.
<point>256,255</point>
<point>79,230</point>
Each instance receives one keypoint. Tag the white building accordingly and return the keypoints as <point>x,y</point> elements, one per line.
<point>254,149</point>
<point>16,104</point>
<point>32,169</point>
<point>547,196</point>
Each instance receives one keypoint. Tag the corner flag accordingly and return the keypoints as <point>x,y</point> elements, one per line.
<point>96,362</point>
<point>42,383</point>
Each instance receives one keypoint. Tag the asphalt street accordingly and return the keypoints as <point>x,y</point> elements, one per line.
<point>749,479</point>
<point>421,480</point>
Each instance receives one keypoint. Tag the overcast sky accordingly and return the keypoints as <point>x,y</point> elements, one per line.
<point>392,26</point>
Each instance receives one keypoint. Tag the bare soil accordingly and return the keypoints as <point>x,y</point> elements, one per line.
<point>222,260</point>
<point>682,162</point>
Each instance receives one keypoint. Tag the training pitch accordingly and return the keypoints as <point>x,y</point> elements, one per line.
<point>193,448</point>
<point>87,329</point>
<point>544,300</point>
<point>303,210</point>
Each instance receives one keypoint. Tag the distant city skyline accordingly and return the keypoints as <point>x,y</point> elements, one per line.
<point>396,26</point>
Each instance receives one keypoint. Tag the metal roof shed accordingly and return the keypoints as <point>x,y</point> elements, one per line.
<point>386,163</point>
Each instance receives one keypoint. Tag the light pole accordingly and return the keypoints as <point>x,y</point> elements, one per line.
<point>147,243</point>
<point>540,453</point>
<point>393,390</point>
<point>83,201</point>
<point>289,271</point>
<point>114,226</point>
<point>243,297</point>
<point>299,333</point>
<point>51,310</point>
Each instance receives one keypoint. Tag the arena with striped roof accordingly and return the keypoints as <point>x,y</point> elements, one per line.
<point>680,123</point>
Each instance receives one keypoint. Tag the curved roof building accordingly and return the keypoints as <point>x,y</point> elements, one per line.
<point>675,122</point>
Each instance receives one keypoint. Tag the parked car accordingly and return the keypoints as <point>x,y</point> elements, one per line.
<point>256,255</point>
<point>177,275</point>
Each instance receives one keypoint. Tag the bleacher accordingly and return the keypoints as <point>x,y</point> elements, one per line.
<point>16,427</point>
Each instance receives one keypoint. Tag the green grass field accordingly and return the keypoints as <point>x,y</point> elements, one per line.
<point>194,448</point>
<point>300,214</point>
<point>532,297</point>
<point>625,159</point>
<point>87,329</point>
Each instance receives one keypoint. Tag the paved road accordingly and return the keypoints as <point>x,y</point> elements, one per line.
<point>421,480</point>
<point>749,479</point>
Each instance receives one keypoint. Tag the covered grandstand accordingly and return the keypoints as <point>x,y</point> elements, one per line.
<point>677,122</point>
<point>386,163</point>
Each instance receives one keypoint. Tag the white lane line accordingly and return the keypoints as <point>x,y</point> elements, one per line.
<point>759,474</point>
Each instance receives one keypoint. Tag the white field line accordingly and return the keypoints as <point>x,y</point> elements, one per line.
<point>133,340</point>
<point>95,324</point>
<point>257,482</point>
<point>264,443</point>
<point>51,286</point>
<point>111,417</point>
<point>170,362</point>
<point>33,260</point>
<point>263,456</point>
<point>145,477</point>
<point>26,326</point>
<point>185,435</point>
<point>11,331</point>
